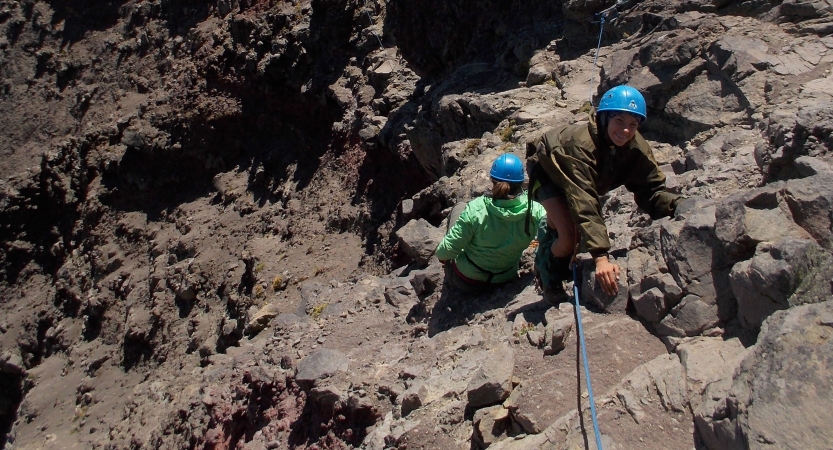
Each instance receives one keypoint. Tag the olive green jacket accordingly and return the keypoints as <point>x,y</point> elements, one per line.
<point>585,166</point>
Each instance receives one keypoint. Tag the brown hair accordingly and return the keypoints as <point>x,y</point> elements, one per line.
<point>502,190</point>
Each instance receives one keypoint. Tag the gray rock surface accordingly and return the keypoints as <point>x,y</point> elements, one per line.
<point>319,365</point>
<point>492,381</point>
<point>419,239</point>
<point>169,168</point>
<point>766,283</point>
<point>770,403</point>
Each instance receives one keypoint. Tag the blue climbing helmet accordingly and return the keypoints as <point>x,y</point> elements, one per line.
<point>509,168</point>
<point>623,99</point>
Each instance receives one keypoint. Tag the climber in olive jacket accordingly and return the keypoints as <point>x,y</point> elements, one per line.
<point>576,164</point>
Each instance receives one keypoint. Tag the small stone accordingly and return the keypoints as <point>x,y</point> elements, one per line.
<point>501,414</point>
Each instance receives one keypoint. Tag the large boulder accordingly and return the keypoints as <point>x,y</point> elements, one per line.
<point>766,283</point>
<point>781,394</point>
<point>320,365</point>
<point>652,289</point>
<point>811,200</point>
<point>696,260</point>
<point>492,382</point>
<point>419,239</point>
<point>746,219</point>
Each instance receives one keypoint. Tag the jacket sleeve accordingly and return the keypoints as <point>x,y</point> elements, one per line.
<point>569,168</point>
<point>457,238</point>
<point>647,182</point>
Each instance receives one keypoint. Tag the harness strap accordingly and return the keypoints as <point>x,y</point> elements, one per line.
<point>490,273</point>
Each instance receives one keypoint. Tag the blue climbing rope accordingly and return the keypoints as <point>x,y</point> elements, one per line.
<point>381,45</point>
<point>602,16</point>
<point>596,58</point>
<point>584,357</point>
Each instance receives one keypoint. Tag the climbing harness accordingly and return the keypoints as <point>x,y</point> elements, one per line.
<point>584,358</point>
<point>602,16</point>
<point>487,272</point>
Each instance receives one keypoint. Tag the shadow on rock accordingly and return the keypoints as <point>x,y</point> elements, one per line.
<point>455,308</point>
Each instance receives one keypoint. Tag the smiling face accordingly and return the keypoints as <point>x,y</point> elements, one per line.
<point>621,128</point>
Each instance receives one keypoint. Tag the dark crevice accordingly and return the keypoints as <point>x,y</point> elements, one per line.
<point>11,394</point>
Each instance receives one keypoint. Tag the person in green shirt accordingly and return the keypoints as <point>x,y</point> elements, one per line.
<point>487,236</point>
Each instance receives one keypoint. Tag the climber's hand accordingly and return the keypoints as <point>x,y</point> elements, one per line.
<point>607,274</point>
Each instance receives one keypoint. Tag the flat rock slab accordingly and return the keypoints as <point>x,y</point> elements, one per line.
<point>320,365</point>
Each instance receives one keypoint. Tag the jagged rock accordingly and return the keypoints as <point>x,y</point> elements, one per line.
<point>538,74</point>
<point>779,395</point>
<point>528,301</point>
<point>320,365</point>
<point>490,425</point>
<point>330,394</point>
<point>407,208</point>
<point>808,166</point>
<point>426,281</point>
<point>653,290</point>
<point>368,290</point>
<point>739,56</point>
<point>314,299</point>
<point>536,338</point>
<point>181,280</point>
<point>525,421</point>
<point>400,295</point>
<point>492,381</point>
<point>664,376</point>
<point>809,200</point>
<point>413,397</point>
<point>375,439</point>
<point>559,326</point>
<point>747,219</point>
<point>651,304</point>
<point>766,283</point>
<point>592,293</point>
<point>690,318</point>
<point>695,258</point>
<point>12,363</point>
<point>419,239</point>
<point>799,128</point>
<point>261,319</point>
<point>520,325</point>
<point>705,360</point>
<point>711,417</point>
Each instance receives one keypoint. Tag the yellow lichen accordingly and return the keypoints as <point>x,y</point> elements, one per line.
<point>279,283</point>
<point>316,310</point>
<point>507,133</point>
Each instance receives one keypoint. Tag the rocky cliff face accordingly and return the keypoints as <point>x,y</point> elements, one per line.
<point>217,219</point>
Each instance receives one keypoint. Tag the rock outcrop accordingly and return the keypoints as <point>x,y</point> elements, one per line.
<point>217,222</point>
